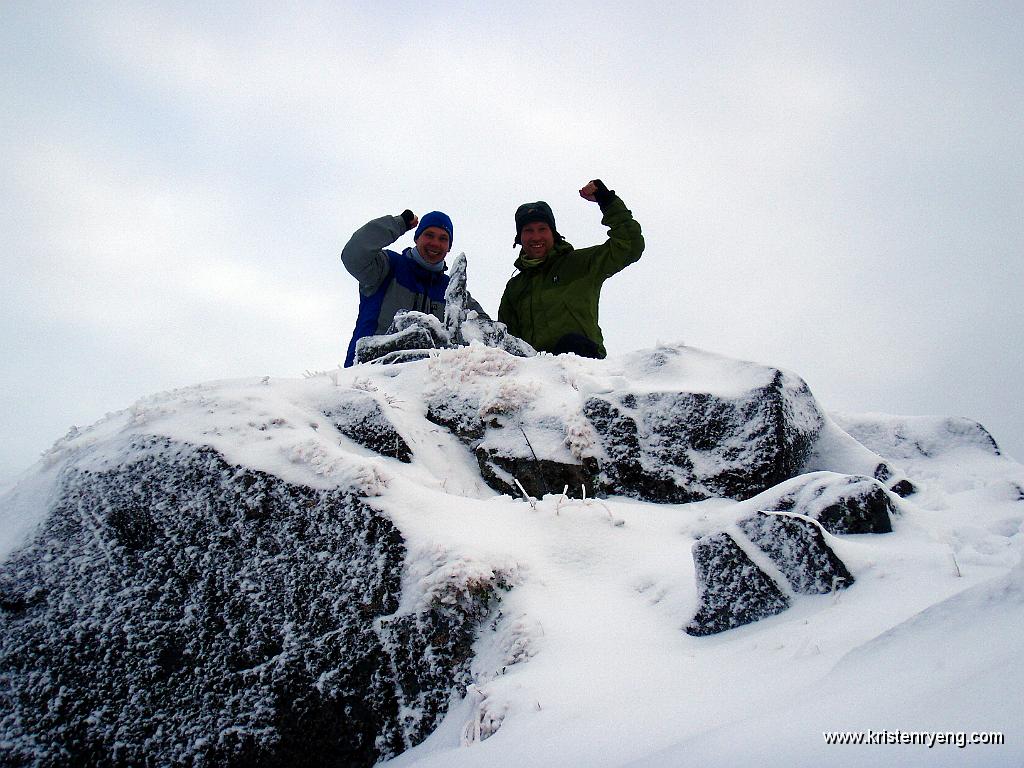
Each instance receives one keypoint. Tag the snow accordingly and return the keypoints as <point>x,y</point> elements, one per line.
<point>588,664</point>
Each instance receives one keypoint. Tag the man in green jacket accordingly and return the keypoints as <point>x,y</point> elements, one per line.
<point>552,302</point>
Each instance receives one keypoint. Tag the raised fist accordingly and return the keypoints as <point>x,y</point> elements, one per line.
<point>596,192</point>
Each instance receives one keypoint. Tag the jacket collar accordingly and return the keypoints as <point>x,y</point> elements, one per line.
<point>435,269</point>
<point>559,249</point>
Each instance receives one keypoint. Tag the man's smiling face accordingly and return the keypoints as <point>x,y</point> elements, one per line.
<point>537,239</point>
<point>433,244</point>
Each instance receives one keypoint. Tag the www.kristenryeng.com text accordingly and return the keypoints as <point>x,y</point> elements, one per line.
<point>930,739</point>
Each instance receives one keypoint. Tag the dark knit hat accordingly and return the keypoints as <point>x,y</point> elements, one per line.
<point>527,213</point>
<point>436,219</point>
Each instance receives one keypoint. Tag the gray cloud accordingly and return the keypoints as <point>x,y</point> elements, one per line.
<point>835,189</point>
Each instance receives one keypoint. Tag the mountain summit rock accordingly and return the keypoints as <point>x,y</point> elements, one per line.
<point>281,572</point>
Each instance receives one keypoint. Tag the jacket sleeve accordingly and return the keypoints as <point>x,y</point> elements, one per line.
<point>507,314</point>
<point>625,242</point>
<point>363,255</point>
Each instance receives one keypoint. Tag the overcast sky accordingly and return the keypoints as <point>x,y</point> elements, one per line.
<point>833,188</point>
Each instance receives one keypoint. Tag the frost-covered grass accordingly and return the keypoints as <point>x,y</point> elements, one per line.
<point>588,664</point>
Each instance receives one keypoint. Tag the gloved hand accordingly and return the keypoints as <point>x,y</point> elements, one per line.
<point>410,219</point>
<point>597,192</point>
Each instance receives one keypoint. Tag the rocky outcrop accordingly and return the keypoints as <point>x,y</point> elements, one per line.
<point>662,446</point>
<point>731,589</point>
<point>177,610</point>
<point>787,529</point>
<point>413,334</point>
<point>686,446</point>
<point>798,549</point>
<point>360,418</point>
<point>842,504</point>
<point>680,447</point>
<point>734,590</point>
<point>177,606</point>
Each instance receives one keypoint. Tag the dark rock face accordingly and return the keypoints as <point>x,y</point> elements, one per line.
<point>360,418</point>
<point>538,477</point>
<point>517,458</point>
<point>843,504</point>
<point>861,511</point>
<point>445,631</point>
<point>409,333</point>
<point>731,589</point>
<point>458,416</point>
<point>798,549</point>
<point>629,469</point>
<point>663,446</point>
<point>176,610</point>
<point>682,447</point>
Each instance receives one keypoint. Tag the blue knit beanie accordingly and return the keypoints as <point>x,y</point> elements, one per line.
<point>436,219</point>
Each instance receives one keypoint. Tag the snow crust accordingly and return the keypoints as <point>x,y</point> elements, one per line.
<point>588,664</point>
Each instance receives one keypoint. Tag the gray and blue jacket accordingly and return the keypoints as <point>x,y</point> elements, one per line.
<point>390,282</point>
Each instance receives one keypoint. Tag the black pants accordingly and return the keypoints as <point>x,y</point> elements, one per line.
<point>578,344</point>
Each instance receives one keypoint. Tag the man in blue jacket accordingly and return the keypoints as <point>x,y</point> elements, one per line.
<point>390,282</point>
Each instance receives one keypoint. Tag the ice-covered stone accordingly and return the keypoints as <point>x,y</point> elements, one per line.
<point>684,446</point>
<point>464,325</point>
<point>409,335</point>
<point>359,417</point>
<point>798,549</point>
<point>456,299</point>
<point>842,504</point>
<point>413,334</point>
<point>175,609</point>
<point>494,334</point>
<point>734,590</point>
<point>731,589</point>
<point>659,445</point>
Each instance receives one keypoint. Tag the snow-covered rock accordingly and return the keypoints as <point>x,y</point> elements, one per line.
<point>913,437</point>
<point>359,416</point>
<point>732,590</point>
<point>413,334</point>
<point>677,447</point>
<point>408,338</point>
<point>841,503</point>
<point>667,432</point>
<point>177,609</point>
<point>750,573</point>
<point>327,571</point>
<point>798,549</point>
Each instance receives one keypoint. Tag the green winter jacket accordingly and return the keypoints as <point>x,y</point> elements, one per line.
<point>560,295</point>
